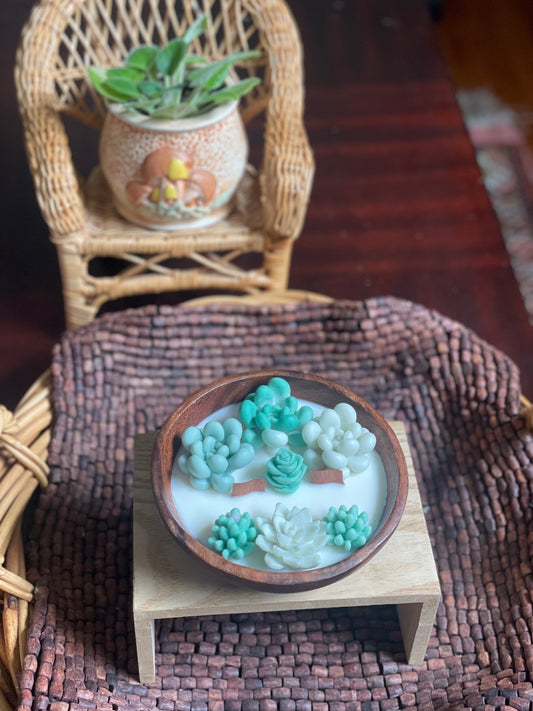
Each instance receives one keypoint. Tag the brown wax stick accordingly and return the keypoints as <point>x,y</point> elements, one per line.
<point>326,476</point>
<point>248,487</point>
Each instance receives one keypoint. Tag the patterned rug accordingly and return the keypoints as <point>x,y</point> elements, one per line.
<point>498,134</point>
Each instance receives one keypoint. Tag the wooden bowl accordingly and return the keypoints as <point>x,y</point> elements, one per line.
<point>304,386</point>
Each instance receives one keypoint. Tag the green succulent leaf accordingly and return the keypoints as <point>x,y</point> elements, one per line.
<point>170,82</point>
<point>126,87</point>
<point>151,89</point>
<point>175,112</point>
<point>144,106</point>
<point>213,75</point>
<point>124,73</point>
<point>197,28</point>
<point>233,92</point>
<point>169,58</point>
<point>142,57</point>
<point>195,59</point>
<point>98,77</point>
<point>171,96</point>
<point>235,57</point>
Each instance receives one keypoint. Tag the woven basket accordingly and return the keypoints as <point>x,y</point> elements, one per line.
<point>248,251</point>
<point>24,440</point>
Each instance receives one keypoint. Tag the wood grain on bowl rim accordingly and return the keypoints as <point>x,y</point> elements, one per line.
<point>306,386</point>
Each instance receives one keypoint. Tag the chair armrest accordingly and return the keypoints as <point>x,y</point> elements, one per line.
<point>47,147</point>
<point>288,165</point>
<point>56,184</point>
<point>287,179</point>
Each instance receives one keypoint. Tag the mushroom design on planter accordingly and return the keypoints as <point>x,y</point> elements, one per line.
<point>170,184</point>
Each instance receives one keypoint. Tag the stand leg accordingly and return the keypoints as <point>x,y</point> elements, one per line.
<point>145,641</point>
<point>416,622</point>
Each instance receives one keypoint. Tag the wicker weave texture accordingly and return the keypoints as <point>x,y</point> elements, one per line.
<point>460,401</point>
<point>62,38</point>
<point>24,440</point>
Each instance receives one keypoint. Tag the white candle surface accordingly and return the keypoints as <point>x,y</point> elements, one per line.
<point>200,509</point>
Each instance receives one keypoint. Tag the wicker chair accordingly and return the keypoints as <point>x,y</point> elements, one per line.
<point>63,37</point>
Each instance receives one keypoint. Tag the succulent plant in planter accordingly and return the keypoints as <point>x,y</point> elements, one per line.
<point>173,147</point>
<point>170,82</point>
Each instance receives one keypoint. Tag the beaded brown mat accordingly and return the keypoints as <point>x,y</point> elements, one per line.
<point>459,398</point>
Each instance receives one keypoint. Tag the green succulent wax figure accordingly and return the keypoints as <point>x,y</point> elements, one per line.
<point>234,535</point>
<point>347,528</point>
<point>285,471</point>
<point>271,414</point>
<point>213,453</point>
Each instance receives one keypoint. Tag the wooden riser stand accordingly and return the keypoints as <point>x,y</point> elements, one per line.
<point>168,582</point>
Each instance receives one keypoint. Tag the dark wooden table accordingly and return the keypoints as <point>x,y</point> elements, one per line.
<point>398,207</point>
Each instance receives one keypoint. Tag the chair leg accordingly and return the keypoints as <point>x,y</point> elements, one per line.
<point>77,311</point>
<point>74,271</point>
<point>277,261</point>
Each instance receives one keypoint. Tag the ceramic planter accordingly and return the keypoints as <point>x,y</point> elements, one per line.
<point>173,174</point>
